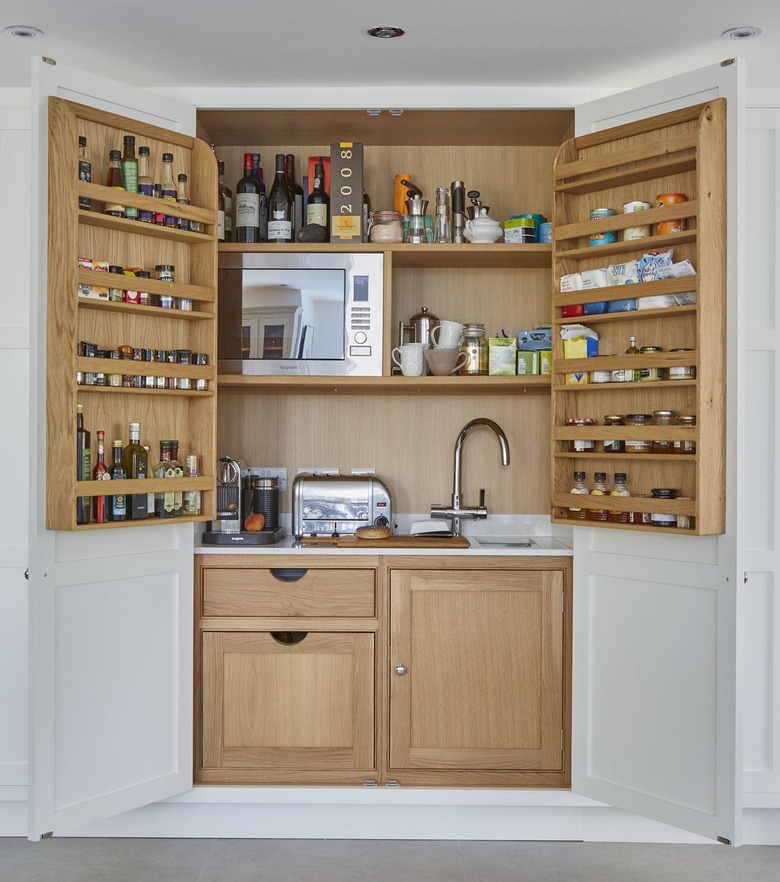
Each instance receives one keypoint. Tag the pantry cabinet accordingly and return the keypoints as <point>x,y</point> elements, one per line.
<point>163,394</point>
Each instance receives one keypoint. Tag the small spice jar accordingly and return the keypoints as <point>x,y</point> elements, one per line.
<point>685,445</point>
<point>144,298</point>
<point>638,445</point>
<point>680,371</point>
<point>164,272</point>
<point>617,445</point>
<point>661,519</point>
<point>650,374</point>
<point>385,226</point>
<point>663,418</point>
<point>116,295</point>
<point>581,445</point>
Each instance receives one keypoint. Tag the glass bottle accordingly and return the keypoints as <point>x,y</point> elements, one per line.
<point>687,445</point>
<point>149,496</point>
<point>296,190</point>
<point>227,196</point>
<point>474,345</point>
<point>158,216</point>
<point>118,500</point>
<point>257,170</point>
<point>83,466</point>
<point>663,418</point>
<point>183,198</point>
<point>136,465</point>
<point>178,472</point>
<point>114,179</point>
<point>280,206</point>
<point>164,500</point>
<point>220,206</point>
<point>366,214</point>
<point>145,183</point>
<point>578,486</point>
<point>598,488</point>
<point>318,203</point>
<point>247,205</point>
<point>191,501</point>
<point>168,189</point>
<point>619,488</point>
<point>638,445</point>
<point>616,445</point>
<point>129,165</point>
<point>101,473</point>
<point>441,224</point>
<point>85,172</point>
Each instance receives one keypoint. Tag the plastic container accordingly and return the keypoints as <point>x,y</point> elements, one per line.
<point>666,228</point>
<point>608,236</point>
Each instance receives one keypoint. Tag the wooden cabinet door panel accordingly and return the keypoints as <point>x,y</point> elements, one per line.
<point>483,652</point>
<point>271,705</point>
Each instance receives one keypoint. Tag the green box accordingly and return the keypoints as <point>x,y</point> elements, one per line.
<point>501,356</point>
<point>527,362</point>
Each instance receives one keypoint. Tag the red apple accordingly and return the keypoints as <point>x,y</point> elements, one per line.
<point>254,523</point>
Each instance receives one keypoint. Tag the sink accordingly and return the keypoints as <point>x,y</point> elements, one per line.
<point>504,541</point>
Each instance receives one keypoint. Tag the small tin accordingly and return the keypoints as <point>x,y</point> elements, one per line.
<point>546,232</point>
<point>681,372</point>
<point>661,519</point>
<point>200,358</point>
<point>166,301</point>
<point>202,384</point>
<point>160,382</point>
<point>184,356</point>
<point>137,381</point>
<point>608,236</point>
<point>115,379</point>
<point>149,382</point>
<point>185,383</point>
<point>631,233</point>
<point>164,272</point>
<point>172,383</point>
<point>184,303</point>
<point>116,295</point>
<point>100,379</point>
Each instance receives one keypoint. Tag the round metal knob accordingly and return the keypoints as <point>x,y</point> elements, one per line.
<point>400,670</point>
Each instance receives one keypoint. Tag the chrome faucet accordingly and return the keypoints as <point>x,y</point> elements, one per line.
<point>455,512</point>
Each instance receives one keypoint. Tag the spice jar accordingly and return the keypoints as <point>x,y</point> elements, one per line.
<point>617,445</point>
<point>651,373</point>
<point>164,272</point>
<point>663,418</point>
<point>680,371</point>
<point>631,233</point>
<point>474,345</point>
<point>661,519</point>
<point>638,445</point>
<point>385,226</point>
<point>685,445</point>
<point>581,445</point>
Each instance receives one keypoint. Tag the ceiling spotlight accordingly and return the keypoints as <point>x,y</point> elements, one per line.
<point>385,32</point>
<point>25,31</point>
<point>746,32</point>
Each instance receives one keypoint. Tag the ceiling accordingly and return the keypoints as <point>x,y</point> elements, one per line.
<point>606,44</point>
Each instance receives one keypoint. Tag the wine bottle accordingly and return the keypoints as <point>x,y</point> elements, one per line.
<point>257,170</point>
<point>83,466</point>
<point>101,473</point>
<point>145,183</point>
<point>220,205</point>
<point>164,500</point>
<point>318,203</point>
<point>296,190</point>
<point>227,195</point>
<point>247,205</point>
<point>129,165</point>
<point>366,214</point>
<point>114,179</point>
<point>85,172</point>
<point>280,206</point>
<point>178,472</point>
<point>118,500</point>
<point>168,187</point>
<point>136,465</point>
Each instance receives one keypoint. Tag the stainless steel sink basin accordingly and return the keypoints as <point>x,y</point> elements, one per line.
<point>504,541</point>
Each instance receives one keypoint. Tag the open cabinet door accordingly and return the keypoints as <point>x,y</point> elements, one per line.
<point>656,717</point>
<point>110,611</point>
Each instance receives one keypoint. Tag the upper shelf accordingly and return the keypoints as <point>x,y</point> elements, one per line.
<point>497,256</point>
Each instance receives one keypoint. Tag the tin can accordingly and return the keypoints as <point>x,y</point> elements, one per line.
<point>201,384</point>
<point>607,237</point>
<point>666,228</point>
<point>545,232</point>
<point>184,303</point>
<point>165,272</point>
<point>166,301</point>
<point>631,233</point>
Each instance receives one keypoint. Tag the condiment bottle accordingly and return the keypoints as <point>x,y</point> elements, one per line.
<point>578,514</point>
<point>114,179</point>
<point>85,172</point>
<point>598,488</point>
<point>619,488</point>
<point>168,189</point>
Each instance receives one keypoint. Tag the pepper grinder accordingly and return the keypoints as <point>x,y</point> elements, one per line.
<point>441,224</point>
<point>458,210</point>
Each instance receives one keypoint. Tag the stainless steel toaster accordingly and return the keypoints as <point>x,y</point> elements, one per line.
<point>327,505</point>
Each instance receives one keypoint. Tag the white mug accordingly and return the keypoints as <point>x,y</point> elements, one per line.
<point>446,334</point>
<point>409,357</point>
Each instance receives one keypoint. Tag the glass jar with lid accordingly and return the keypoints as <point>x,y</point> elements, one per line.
<point>685,445</point>
<point>584,444</point>
<point>385,226</point>
<point>662,519</point>
<point>663,418</point>
<point>638,445</point>
<point>617,445</point>
<point>473,343</point>
<point>650,374</point>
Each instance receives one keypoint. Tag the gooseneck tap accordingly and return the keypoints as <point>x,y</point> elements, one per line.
<point>456,511</point>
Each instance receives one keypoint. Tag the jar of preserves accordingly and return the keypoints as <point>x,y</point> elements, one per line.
<point>617,445</point>
<point>581,445</point>
<point>685,445</point>
<point>385,226</point>
<point>663,418</point>
<point>638,445</point>
<point>662,519</point>
<point>651,373</point>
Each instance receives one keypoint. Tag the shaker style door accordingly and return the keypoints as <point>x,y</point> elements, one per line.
<point>110,612</point>
<point>657,617</point>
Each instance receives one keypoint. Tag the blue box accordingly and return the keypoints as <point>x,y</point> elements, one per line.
<point>598,308</point>
<point>624,305</point>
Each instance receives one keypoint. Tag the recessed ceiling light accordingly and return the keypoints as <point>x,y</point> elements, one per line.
<point>746,32</point>
<point>385,32</point>
<point>25,31</point>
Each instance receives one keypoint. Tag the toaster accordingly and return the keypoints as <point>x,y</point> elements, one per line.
<point>333,505</point>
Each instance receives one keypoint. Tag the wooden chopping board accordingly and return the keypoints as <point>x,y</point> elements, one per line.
<point>391,542</point>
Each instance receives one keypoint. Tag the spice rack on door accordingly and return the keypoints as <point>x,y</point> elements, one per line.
<point>188,415</point>
<point>683,151</point>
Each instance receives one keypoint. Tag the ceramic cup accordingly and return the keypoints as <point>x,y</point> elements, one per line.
<point>446,334</point>
<point>444,360</point>
<point>409,357</point>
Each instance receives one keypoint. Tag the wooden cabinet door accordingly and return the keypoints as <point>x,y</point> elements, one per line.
<point>276,706</point>
<point>480,683</point>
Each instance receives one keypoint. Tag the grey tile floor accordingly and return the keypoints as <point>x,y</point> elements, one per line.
<point>286,860</point>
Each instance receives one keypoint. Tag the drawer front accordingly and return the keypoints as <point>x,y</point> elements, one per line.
<point>288,592</point>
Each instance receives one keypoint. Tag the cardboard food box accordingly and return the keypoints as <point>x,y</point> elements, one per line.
<point>502,356</point>
<point>579,342</point>
<point>528,362</point>
<point>346,192</point>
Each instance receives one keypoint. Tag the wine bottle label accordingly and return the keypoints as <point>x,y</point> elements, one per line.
<point>221,226</point>
<point>279,229</point>
<point>317,213</point>
<point>247,210</point>
<point>229,216</point>
<point>130,176</point>
<point>146,190</point>
<point>85,174</point>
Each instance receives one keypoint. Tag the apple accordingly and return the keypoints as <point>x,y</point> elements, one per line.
<point>254,523</point>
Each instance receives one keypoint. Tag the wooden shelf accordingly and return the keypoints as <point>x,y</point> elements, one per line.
<point>173,289</point>
<point>581,388</point>
<point>634,247</point>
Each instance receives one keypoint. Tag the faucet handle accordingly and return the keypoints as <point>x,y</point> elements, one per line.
<point>482,497</point>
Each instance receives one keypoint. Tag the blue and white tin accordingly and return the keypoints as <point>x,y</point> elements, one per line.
<point>545,232</point>
<point>608,236</point>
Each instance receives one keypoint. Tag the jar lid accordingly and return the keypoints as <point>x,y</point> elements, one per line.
<point>385,214</point>
<point>664,493</point>
<point>579,476</point>
<point>681,350</point>
<point>581,421</point>
<point>113,268</point>
<point>144,274</point>
<point>663,414</point>
<point>620,476</point>
<point>164,266</point>
<point>638,417</point>
<point>600,476</point>
<point>651,349</point>
<point>612,416</point>
<point>686,419</point>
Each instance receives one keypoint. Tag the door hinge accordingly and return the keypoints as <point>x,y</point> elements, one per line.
<point>47,835</point>
<point>723,840</point>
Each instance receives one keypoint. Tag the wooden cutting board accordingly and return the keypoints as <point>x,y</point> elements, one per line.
<point>391,542</point>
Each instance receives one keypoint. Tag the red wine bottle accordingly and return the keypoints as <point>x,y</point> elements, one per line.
<point>280,206</point>
<point>247,201</point>
<point>297,194</point>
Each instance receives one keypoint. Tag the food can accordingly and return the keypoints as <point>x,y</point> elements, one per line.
<point>666,228</point>
<point>545,232</point>
<point>608,236</point>
<point>631,233</point>
<point>165,272</point>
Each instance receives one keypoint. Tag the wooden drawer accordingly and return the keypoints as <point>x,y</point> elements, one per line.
<point>263,591</point>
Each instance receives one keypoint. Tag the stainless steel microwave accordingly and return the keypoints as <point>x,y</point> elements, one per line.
<point>301,314</point>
